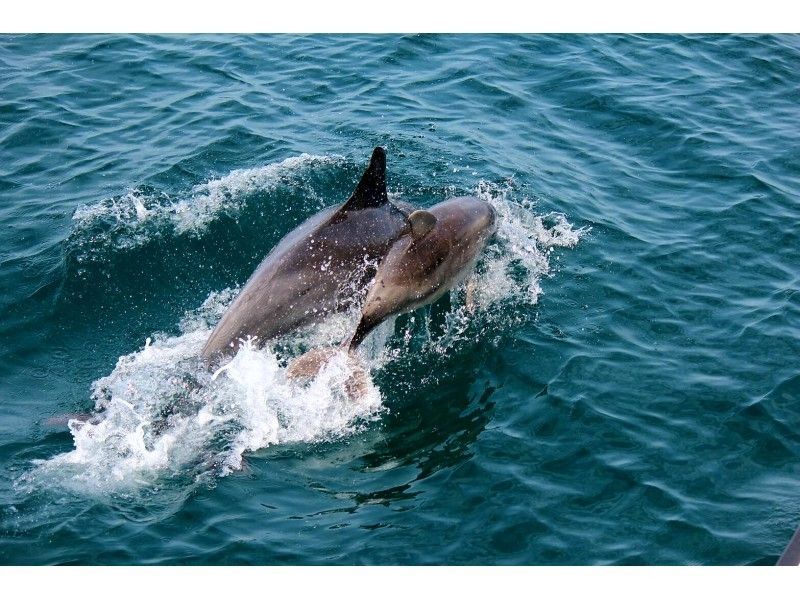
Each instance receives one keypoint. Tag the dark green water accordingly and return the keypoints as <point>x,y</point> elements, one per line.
<point>643,408</point>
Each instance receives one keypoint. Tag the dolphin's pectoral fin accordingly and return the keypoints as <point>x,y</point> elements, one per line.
<point>422,222</point>
<point>371,190</point>
<point>365,326</point>
<point>309,364</point>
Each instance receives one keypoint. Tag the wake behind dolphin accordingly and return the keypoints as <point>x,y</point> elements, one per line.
<point>159,412</point>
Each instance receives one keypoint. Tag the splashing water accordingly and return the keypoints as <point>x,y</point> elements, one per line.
<point>160,413</point>
<point>138,216</point>
<point>525,240</point>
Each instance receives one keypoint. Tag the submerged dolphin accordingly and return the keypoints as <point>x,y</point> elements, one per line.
<point>319,268</point>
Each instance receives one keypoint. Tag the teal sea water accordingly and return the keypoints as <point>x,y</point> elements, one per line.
<point>627,390</point>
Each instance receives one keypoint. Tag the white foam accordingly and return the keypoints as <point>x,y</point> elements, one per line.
<point>137,215</point>
<point>160,412</point>
<point>525,240</point>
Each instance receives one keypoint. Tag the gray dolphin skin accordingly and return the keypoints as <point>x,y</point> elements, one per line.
<point>438,254</point>
<point>318,268</point>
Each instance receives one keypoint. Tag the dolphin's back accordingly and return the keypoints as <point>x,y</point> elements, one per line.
<point>255,302</point>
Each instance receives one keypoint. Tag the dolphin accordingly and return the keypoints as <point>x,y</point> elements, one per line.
<point>319,268</point>
<point>438,253</point>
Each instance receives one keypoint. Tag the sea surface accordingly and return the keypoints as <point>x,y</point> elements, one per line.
<point>626,390</point>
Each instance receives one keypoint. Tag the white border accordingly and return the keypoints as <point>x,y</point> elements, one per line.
<point>397,16</point>
<point>400,582</point>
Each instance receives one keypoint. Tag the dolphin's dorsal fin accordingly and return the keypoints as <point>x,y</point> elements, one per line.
<point>371,190</point>
<point>422,222</point>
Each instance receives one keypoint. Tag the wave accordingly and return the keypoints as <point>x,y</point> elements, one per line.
<point>143,214</point>
<point>525,241</point>
<point>161,413</point>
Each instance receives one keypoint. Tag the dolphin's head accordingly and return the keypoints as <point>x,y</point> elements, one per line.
<point>437,254</point>
<point>468,222</point>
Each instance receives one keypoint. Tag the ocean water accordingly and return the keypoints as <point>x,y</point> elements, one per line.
<point>626,391</point>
